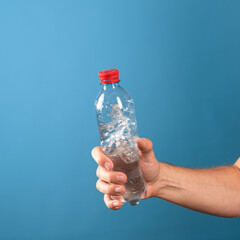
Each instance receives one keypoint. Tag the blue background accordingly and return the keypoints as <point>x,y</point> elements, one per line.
<point>180,61</point>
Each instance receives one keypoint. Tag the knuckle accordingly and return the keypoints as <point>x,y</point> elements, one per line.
<point>98,185</point>
<point>97,173</point>
<point>94,151</point>
<point>105,198</point>
<point>104,175</point>
<point>107,202</point>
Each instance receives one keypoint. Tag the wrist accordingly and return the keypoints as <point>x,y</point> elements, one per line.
<point>163,180</point>
<point>155,186</point>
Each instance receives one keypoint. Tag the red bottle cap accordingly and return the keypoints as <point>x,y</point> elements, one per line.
<point>109,76</point>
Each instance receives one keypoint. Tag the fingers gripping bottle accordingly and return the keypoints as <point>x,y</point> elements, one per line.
<point>118,132</point>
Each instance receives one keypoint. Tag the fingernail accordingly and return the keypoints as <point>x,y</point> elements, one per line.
<point>107,165</point>
<point>120,179</point>
<point>118,189</point>
<point>116,204</point>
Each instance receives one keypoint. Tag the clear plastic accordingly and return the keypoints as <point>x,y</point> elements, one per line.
<point>118,133</point>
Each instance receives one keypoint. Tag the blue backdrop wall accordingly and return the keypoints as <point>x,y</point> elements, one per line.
<point>180,60</point>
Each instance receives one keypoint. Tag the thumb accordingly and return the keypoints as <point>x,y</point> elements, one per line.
<point>145,147</point>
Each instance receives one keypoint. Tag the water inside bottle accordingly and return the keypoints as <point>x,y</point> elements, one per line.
<point>119,144</point>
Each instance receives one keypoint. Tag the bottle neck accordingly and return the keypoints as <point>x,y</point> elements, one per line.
<point>110,86</point>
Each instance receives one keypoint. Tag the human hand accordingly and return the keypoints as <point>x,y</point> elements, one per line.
<point>111,183</point>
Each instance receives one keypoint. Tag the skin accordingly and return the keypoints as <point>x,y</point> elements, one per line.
<point>214,191</point>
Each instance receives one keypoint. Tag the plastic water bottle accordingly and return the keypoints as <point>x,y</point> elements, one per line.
<point>118,132</point>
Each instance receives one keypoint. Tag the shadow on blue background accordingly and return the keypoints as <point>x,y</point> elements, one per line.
<point>180,62</point>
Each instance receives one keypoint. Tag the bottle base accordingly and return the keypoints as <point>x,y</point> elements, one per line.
<point>134,202</point>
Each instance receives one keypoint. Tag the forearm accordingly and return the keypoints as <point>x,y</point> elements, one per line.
<point>214,191</point>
